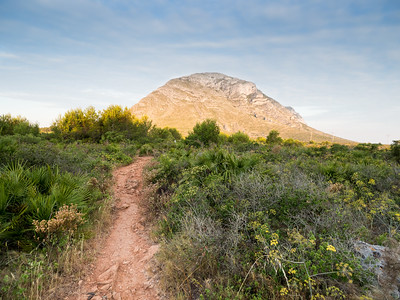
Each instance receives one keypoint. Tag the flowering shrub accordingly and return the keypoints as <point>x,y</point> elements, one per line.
<point>281,221</point>
<point>65,222</point>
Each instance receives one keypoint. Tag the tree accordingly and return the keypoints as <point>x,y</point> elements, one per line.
<point>78,124</point>
<point>113,123</point>
<point>273,137</point>
<point>238,138</point>
<point>204,133</point>
<point>17,125</point>
<point>165,134</point>
<point>395,149</point>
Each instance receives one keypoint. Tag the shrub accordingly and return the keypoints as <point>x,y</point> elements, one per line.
<point>238,138</point>
<point>65,222</point>
<point>204,133</point>
<point>273,137</point>
<point>78,124</point>
<point>279,222</point>
<point>17,125</point>
<point>164,134</point>
<point>112,124</point>
<point>28,194</point>
<point>395,150</point>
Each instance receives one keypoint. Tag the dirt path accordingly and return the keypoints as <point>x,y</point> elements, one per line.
<point>121,270</point>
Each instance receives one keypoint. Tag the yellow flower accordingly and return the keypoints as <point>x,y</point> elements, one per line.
<point>274,242</point>
<point>318,296</point>
<point>371,181</point>
<point>272,211</point>
<point>264,228</point>
<point>258,237</point>
<point>292,271</point>
<point>331,248</point>
<point>284,291</point>
<point>273,254</point>
<point>397,216</point>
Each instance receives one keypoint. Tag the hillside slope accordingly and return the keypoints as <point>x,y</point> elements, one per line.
<point>236,104</point>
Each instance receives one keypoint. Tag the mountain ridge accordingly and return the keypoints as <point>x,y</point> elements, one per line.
<point>236,105</point>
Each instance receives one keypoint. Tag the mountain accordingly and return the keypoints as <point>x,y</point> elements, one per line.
<point>236,104</point>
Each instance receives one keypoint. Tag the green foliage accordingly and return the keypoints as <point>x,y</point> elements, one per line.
<point>165,134</point>
<point>239,138</point>
<point>50,196</point>
<point>17,125</point>
<point>117,119</point>
<point>292,143</point>
<point>29,194</point>
<point>273,137</point>
<point>272,222</point>
<point>204,134</point>
<point>113,124</point>
<point>78,124</point>
<point>395,150</point>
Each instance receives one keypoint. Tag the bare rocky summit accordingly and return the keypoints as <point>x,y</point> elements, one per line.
<point>236,104</point>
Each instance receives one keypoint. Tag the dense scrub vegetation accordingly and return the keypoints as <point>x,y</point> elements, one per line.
<point>114,124</point>
<point>17,125</point>
<point>247,220</point>
<point>54,191</point>
<point>237,219</point>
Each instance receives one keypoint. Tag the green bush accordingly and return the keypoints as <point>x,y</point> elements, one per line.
<point>204,134</point>
<point>113,124</point>
<point>277,221</point>
<point>239,138</point>
<point>273,137</point>
<point>36,194</point>
<point>395,150</point>
<point>17,125</point>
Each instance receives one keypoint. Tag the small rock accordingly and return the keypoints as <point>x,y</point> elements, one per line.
<point>105,287</point>
<point>90,295</point>
<point>109,274</point>
<point>124,206</point>
<point>116,296</point>
<point>384,263</point>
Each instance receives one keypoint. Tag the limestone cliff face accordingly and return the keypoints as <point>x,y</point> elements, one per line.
<point>236,104</point>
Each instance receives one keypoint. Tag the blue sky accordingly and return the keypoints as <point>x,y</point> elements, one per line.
<point>336,62</point>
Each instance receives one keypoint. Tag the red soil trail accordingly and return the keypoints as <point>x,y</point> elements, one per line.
<point>121,271</point>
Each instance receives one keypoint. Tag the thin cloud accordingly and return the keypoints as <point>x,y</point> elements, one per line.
<point>8,55</point>
<point>107,93</point>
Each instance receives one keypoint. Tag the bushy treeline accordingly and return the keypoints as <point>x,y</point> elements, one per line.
<point>113,124</point>
<point>17,125</point>
<point>273,218</point>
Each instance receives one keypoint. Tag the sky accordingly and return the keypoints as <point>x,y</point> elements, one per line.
<point>336,62</point>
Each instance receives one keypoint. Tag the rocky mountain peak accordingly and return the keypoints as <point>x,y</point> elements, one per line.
<point>233,88</point>
<point>244,94</point>
<point>236,104</point>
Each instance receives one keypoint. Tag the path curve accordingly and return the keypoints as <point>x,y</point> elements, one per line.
<point>121,271</point>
